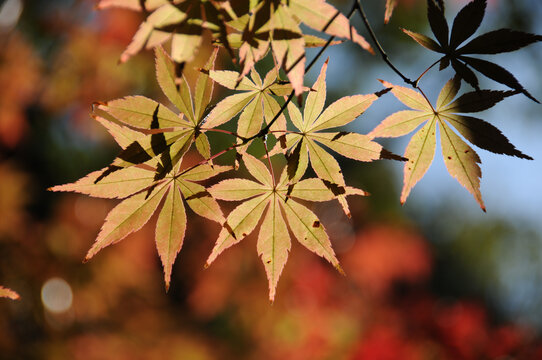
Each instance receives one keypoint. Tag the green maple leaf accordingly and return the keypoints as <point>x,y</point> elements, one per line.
<point>275,25</point>
<point>255,101</point>
<point>460,159</point>
<point>304,146</point>
<point>132,184</point>
<point>465,25</point>
<point>276,203</point>
<point>182,22</point>
<point>163,133</point>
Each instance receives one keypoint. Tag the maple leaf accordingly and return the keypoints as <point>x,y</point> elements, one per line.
<point>139,205</point>
<point>138,184</point>
<point>465,25</point>
<point>303,146</point>
<point>8,293</point>
<point>178,21</point>
<point>255,102</point>
<point>276,203</point>
<point>163,133</point>
<point>460,159</point>
<point>272,24</point>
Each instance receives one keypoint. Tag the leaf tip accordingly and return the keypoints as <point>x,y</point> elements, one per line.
<point>385,83</point>
<point>340,269</point>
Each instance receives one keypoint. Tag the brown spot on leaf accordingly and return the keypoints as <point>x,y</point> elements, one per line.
<point>449,158</point>
<point>316,224</point>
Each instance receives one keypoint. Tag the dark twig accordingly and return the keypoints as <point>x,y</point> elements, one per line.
<point>383,54</point>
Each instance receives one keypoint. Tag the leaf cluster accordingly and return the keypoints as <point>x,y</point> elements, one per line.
<point>152,173</point>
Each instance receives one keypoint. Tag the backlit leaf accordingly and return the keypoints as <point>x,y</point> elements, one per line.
<point>419,152</point>
<point>424,41</point>
<point>321,16</point>
<point>409,97</point>
<point>128,216</point>
<point>236,189</point>
<point>308,230</point>
<point>276,203</point>
<point>255,104</point>
<point>342,112</point>
<point>240,223</point>
<point>118,185</point>
<point>142,112</point>
<point>273,244</point>
<point>167,79</point>
<point>400,123</point>
<point>199,200</point>
<point>170,230</point>
<point>461,162</point>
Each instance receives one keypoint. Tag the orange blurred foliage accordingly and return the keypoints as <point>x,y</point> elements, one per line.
<point>20,81</point>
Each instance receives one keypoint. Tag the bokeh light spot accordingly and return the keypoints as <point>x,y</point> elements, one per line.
<point>56,295</point>
<point>10,12</point>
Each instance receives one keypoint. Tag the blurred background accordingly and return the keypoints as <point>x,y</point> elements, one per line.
<point>434,279</point>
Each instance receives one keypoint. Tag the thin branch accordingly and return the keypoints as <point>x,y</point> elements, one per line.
<point>425,72</point>
<point>383,54</point>
<point>426,99</point>
<point>222,131</point>
<point>212,157</point>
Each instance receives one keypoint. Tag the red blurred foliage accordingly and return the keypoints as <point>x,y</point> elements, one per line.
<point>384,256</point>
